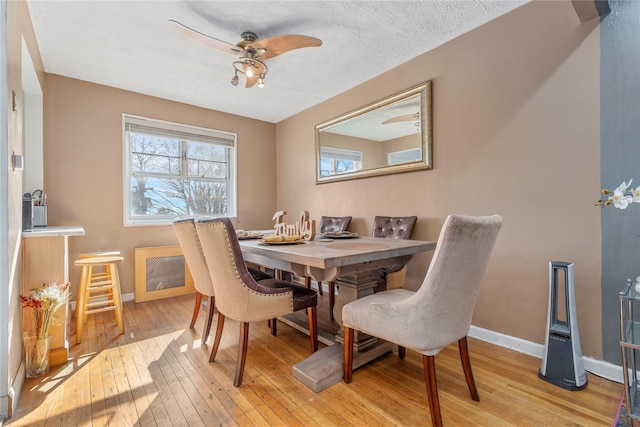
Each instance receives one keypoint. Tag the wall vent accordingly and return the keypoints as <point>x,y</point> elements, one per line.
<point>161,272</point>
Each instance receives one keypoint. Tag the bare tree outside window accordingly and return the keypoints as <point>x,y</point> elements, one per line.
<point>172,176</point>
<point>335,161</point>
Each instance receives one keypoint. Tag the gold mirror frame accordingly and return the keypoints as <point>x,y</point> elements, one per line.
<point>382,108</point>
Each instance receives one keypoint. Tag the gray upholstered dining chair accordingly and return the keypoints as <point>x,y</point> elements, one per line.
<point>393,227</point>
<point>439,312</point>
<point>332,224</point>
<point>329,224</point>
<point>240,297</point>
<point>185,230</point>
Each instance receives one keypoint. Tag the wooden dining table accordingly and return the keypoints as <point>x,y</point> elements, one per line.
<point>353,264</point>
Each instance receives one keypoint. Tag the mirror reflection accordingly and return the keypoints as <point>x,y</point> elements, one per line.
<point>390,136</point>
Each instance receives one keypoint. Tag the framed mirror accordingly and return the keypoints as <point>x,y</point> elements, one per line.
<point>392,135</point>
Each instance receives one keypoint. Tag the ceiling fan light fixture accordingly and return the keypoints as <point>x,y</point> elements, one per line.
<point>252,68</point>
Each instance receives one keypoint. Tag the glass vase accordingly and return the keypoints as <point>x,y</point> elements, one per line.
<point>36,353</point>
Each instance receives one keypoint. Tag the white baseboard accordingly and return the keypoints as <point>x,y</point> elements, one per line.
<point>597,367</point>
<point>9,403</point>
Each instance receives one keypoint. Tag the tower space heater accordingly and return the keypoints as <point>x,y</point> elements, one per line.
<point>562,360</point>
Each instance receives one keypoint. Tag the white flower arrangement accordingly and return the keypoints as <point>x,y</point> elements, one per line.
<point>621,197</point>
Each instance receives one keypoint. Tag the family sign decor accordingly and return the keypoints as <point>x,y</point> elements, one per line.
<point>304,228</point>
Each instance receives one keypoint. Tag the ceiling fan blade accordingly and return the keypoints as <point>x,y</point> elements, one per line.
<point>403,118</point>
<point>218,44</point>
<point>278,45</point>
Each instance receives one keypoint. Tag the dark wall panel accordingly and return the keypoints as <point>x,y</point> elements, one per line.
<point>620,159</point>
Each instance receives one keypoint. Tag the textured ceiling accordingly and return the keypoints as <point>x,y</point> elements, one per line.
<point>130,45</point>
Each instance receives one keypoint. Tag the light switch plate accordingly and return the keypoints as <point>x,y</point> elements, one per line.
<point>17,161</point>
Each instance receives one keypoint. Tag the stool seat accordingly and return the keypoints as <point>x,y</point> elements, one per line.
<point>98,292</point>
<point>99,253</point>
<point>98,260</point>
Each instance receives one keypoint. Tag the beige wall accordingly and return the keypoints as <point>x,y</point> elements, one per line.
<point>83,166</point>
<point>516,132</point>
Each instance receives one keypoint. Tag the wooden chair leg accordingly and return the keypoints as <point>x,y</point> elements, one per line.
<point>207,327</point>
<point>216,341</point>
<point>332,298</point>
<point>242,353</point>
<point>402,352</point>
<point>273,324</point>
<point>307,283</point>
<point>466,367</point>
<point>313,327</point>
<point>348,354</point>
<point>196,309</point>
<point>432,389</point>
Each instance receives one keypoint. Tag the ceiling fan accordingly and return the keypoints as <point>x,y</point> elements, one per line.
<point>251,51</point>
<point>403,118</point>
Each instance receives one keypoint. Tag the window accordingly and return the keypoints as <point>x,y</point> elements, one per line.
<point>404,156</point>
<point>173,169</point>
<point>338,160</point>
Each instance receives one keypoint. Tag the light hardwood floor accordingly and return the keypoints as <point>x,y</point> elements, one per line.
<point>159,374</point>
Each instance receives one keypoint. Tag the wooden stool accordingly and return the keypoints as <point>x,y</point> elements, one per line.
<point>98,292</point>
<point>105,273</point>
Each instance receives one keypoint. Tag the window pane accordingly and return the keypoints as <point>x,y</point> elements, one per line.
<point>207,160</point>
<point>172,197</point>
<point>326,168</point>
<point>155,154</point>
<point>345,166</point>
<point>338,160</point>
<point>335,166</point>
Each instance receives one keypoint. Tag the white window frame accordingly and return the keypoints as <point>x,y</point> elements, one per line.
<point>192,133</point>
<point>337,154</point>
